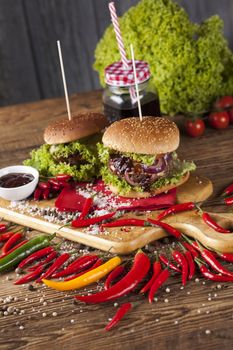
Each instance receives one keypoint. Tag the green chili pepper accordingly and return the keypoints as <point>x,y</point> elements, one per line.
<point>25,250</point>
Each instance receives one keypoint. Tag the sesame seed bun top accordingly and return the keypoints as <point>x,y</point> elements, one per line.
<point>152,135</point>
<point>81,125</point>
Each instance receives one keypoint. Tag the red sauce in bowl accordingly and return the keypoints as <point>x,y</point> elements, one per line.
<point>12,180</point>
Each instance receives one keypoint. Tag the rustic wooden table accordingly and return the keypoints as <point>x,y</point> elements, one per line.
<point>200,316</point>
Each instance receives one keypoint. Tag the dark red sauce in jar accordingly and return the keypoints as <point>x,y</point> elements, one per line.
<point>15,180</point>
<point>124,108</point>
<point>119,97</point>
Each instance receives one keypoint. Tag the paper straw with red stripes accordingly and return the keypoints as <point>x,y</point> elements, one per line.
<point>117,30</point>
<point>120,43</point>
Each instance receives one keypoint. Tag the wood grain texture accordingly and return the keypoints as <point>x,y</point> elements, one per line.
<point>29,29</point>
<point>117,240</point>
<point>180,323</point>
<point>17,70</point>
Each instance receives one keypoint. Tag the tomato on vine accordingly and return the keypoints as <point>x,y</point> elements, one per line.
<point>195,128</point>
<point>224,102</point>
<point>219,120</point>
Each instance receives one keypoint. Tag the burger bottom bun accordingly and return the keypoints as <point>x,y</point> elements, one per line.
<point>134,194</point>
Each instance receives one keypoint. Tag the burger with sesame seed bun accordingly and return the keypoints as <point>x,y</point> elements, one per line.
<point>139,159</point>
<point>70,147</point>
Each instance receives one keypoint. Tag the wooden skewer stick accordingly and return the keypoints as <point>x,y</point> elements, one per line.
<point>136,82</point>
<point>64,79</point>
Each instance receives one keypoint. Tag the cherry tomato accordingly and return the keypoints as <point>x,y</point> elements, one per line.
<point>219,120</point>
<point>224,102</point>
<point>195,127</point>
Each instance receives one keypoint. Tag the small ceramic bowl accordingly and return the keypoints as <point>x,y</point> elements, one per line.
<point>22,192</point>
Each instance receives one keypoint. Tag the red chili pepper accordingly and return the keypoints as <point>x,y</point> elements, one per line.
<point>180,258</point>
<point>80,264</point>
<point>166,227</point>
<point>37,194</point>
<point>37,255</point>
<point>113,275</point>
<point>56,188</point>
<point>228,190</point>
<point>64,184</point>
<point>210,222</point>
<point>125,222</point>
<point>98,263</point>
<point>11,242</point>
<point>213,262</point>
<point>156,271</point>
<point>54,182</point>
<point>228,201</point>
<point>124,308</point>
<point>14,248</point>
<point>164,260</point>
<point>5,236</point>
<point>161,279</point>
<point>191,264</point>
<point>63,177</point>
<point>86,208</point>
<point>3,227</point>
<point>176,209</point>
<point>92,221</point>
<point>55,266</point>
<point>49,258</point>
<point>128,283</point>
<point>46,193</point>
<point>191,249</point>
<point>225,256</point>
<point>211,276</point>
<point>44,185</point>
<point>31,276</point>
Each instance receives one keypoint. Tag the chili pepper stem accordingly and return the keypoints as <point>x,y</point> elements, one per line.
<point>65,225</point>
<point>199,261</point>
<point>200,211</point>
<point>50,238</point>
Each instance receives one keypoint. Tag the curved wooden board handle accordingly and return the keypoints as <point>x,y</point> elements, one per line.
<point>189,223</point>
<point>192,225</point>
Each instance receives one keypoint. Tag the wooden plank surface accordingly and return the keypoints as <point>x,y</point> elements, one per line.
<point>196,317</point>
<point>17,69</point>
<point>29,29</point>
<point>119,241</point>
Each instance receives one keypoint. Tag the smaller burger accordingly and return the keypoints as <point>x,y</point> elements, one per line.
<point>70,147</point>
<point>139,158</point>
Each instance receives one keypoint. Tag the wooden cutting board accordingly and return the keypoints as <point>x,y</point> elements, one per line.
<point>124,241</point>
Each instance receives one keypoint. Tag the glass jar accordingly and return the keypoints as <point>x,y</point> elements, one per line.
<point>118,103</point>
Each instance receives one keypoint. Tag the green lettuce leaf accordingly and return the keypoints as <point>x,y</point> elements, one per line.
<point>180,169</point>
<point>104,154</point>
<point>43,160</point>
<point>191,64</point>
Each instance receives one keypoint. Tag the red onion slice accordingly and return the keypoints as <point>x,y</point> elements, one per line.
<point>130,181</point>
<point>158,166</point>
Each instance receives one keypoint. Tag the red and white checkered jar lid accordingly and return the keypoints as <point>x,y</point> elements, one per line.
<point>117,75</point>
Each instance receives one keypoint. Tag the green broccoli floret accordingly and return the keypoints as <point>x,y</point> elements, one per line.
<point>191,64</point>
